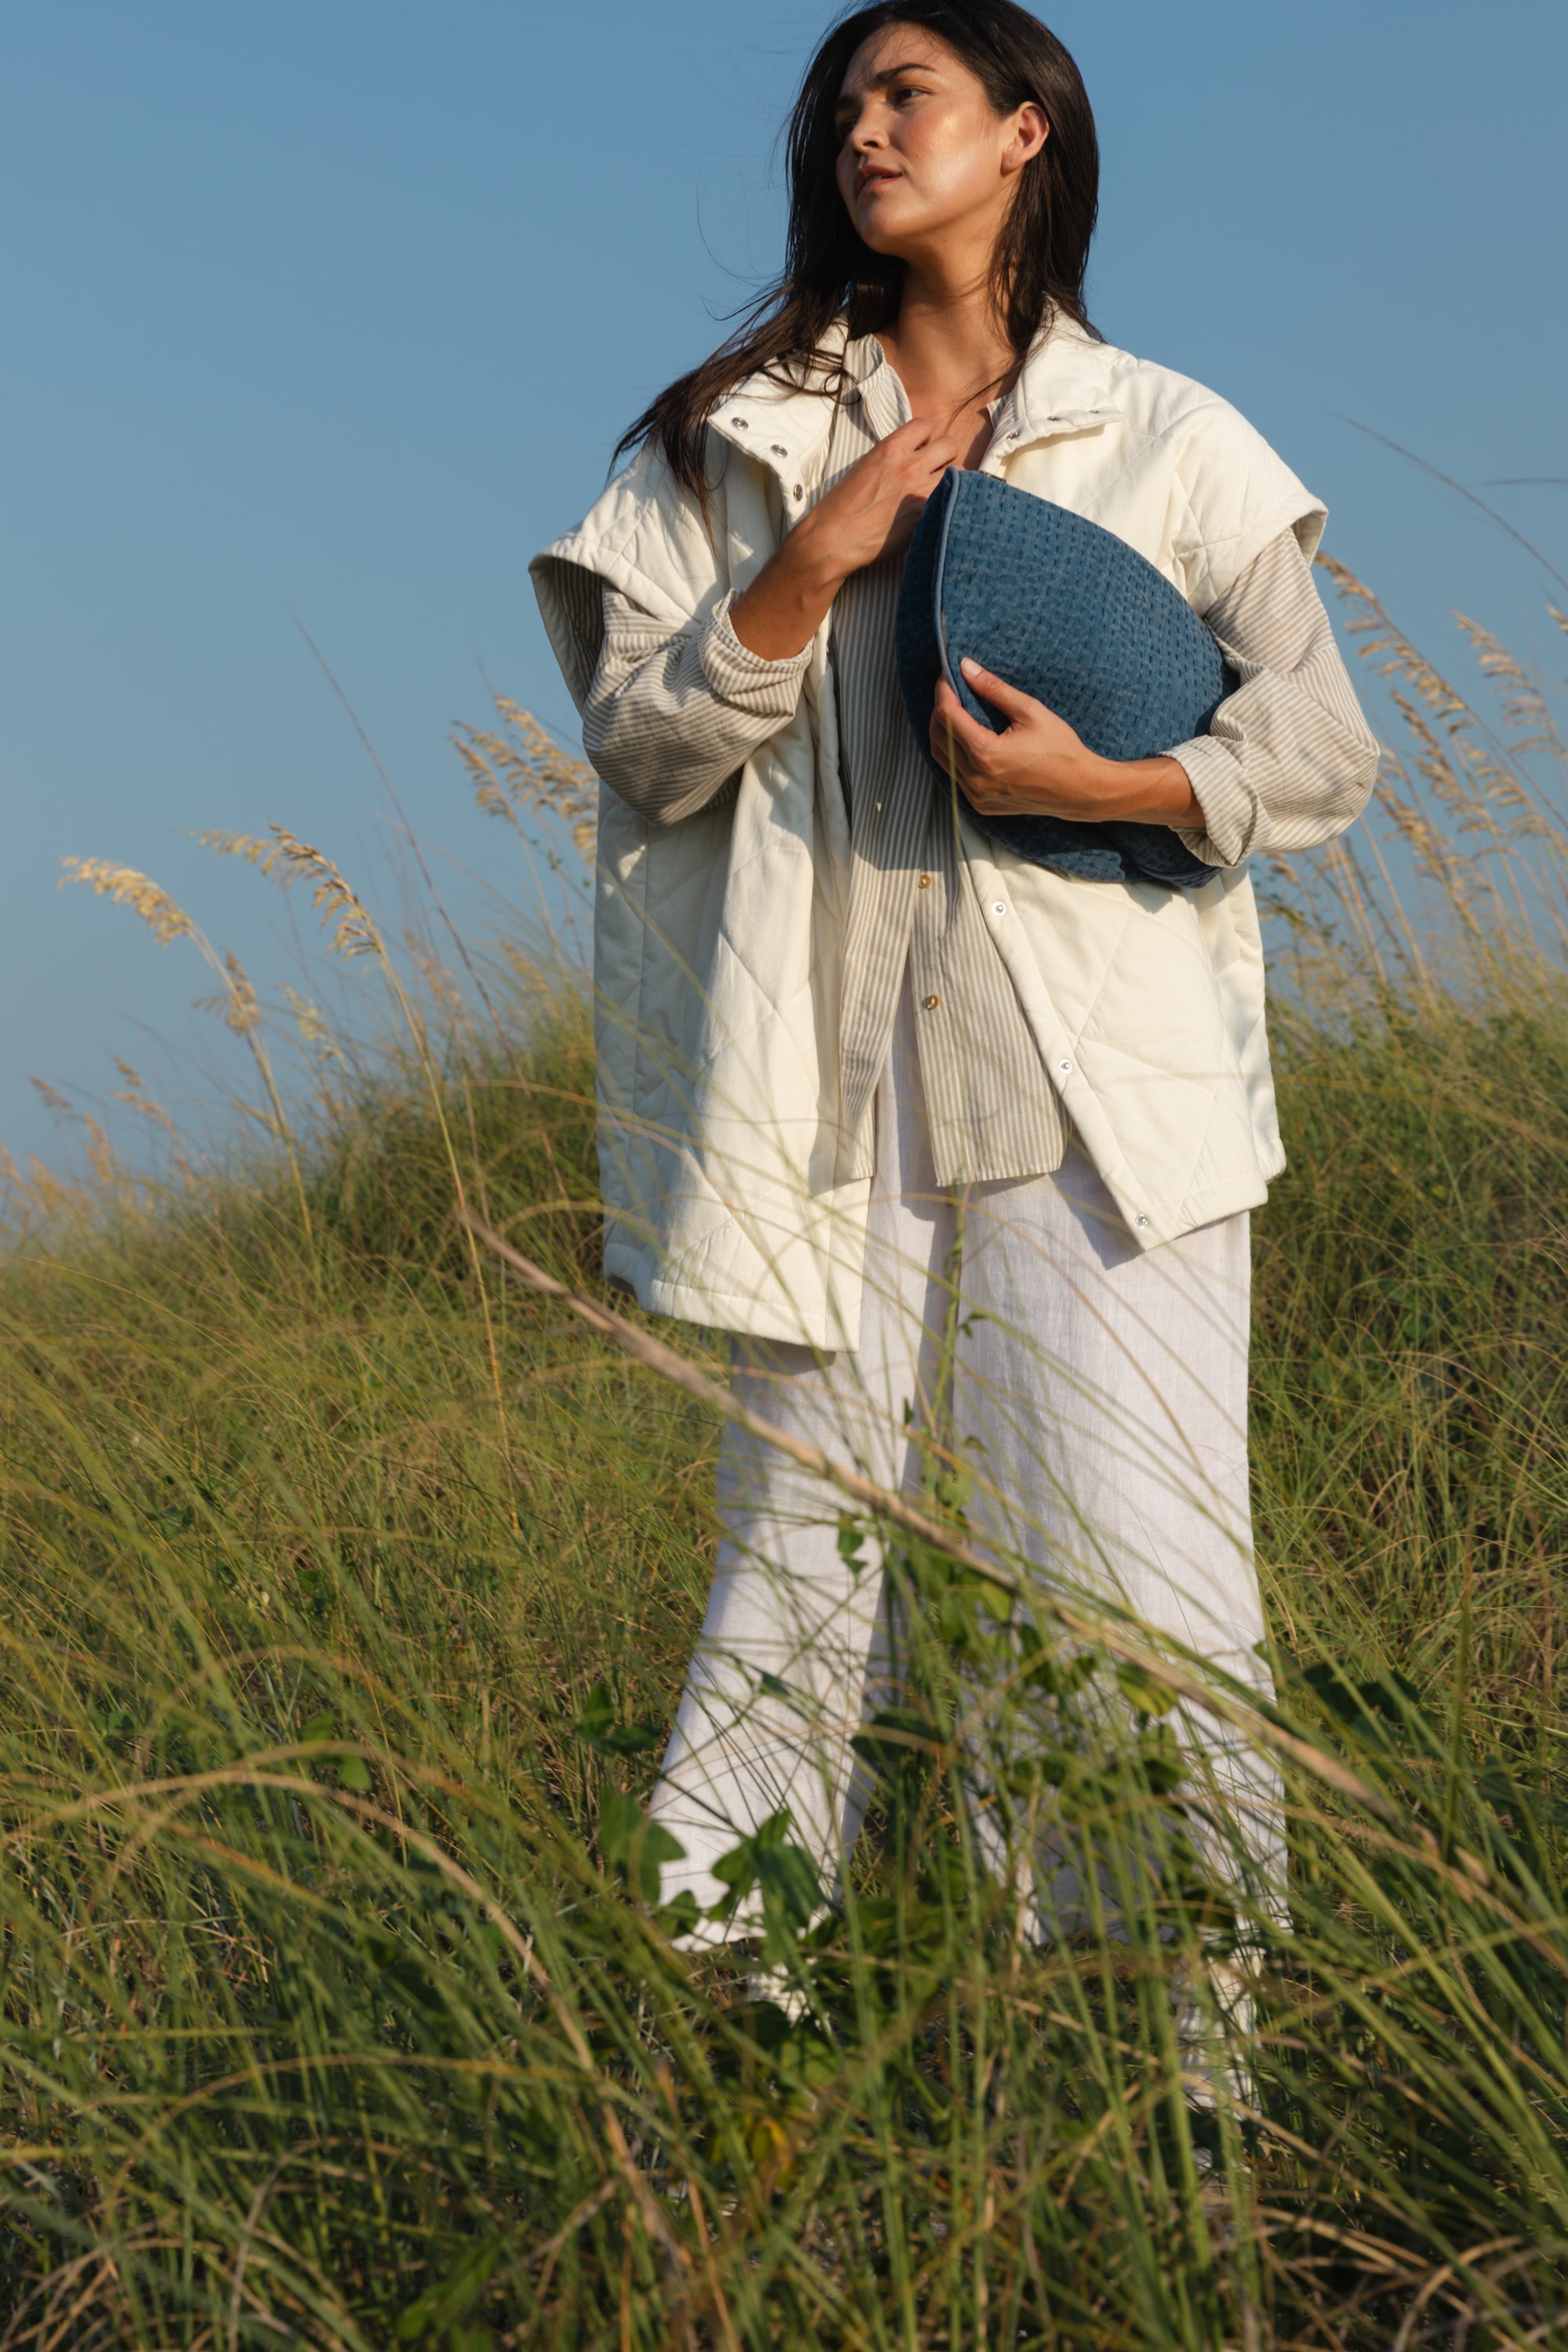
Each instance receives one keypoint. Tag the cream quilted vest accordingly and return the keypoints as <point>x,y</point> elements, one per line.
<point>718,941</point>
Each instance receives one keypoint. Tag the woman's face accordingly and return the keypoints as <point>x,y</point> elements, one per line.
<point>922,159</point>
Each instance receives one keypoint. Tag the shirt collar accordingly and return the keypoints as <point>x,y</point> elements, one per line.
<point>874,383</point>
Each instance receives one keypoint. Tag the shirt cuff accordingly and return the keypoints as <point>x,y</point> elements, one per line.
<point>738,675</point>
<point>1231,814</point>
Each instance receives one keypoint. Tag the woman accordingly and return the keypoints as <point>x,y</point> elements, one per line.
<point>872,1087</point>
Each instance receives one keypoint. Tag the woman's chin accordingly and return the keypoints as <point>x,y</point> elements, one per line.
<point>890,240</point>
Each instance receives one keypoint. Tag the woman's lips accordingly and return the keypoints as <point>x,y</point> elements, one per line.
<point>867,181</point>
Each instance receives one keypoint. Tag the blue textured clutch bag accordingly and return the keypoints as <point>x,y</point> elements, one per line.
<point>1068,614</point>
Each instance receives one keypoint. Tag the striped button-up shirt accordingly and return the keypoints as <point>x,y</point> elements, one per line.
<point>671,719</point>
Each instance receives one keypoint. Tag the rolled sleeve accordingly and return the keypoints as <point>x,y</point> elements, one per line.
<point>745,680</point>
<point>672,716</point>
<point>1232,811</point>
<point>1289,759</point>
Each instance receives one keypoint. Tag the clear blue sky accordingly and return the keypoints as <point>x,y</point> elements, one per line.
<point>330,314</point>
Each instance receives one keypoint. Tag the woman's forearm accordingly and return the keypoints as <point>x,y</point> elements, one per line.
<point>790,598</point>
<point>1149,792</point>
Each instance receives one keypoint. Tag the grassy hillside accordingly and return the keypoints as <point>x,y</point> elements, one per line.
<point>348,1593</point>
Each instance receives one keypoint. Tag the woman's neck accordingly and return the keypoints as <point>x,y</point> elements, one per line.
<point>952,353</point>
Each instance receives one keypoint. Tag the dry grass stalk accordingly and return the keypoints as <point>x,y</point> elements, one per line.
<point>1527,714</point>
<point>524,768</point>
<point>353,931</point>
<point>1489,839</point>
<point>312,1027</point>
<point>237,1004</point>
<point>58,1106</point>
<point>127,888</point>
<point>133,1093</point>
<point>285,858</point>
<point>444,990</point>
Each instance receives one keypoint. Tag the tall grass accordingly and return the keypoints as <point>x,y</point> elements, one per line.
<point>336,2005</point>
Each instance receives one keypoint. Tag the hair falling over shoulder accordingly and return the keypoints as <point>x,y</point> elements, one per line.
<point>829,271</point>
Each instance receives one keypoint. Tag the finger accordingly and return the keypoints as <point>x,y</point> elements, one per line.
<point>934,448</point>
<point>995,690</point>
<point>977,741</point>
<point>953,732</point>
<point>931,461</point>
<point>951,712</point>
<point>921,472</point>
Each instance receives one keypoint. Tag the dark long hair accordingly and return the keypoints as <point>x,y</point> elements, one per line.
<point>1038,269</point>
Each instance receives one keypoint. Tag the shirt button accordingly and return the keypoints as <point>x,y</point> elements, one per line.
<point>779,449</point>
<point>739,420</point>
<point>932,1003</point>
<point>1140,1221</point>
<point>998,906</point>
<point>799,491</point>
<point>925,882</point>
<point>1065,1069</point>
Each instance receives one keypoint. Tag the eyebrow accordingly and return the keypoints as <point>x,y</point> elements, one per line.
<point>887,74</point>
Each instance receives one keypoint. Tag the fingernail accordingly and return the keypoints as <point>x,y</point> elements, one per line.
<point>970,668</point>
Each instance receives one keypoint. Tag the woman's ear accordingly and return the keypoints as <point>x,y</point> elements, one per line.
<point>1030,132</point>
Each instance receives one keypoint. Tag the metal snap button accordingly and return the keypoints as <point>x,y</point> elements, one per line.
<point>741,422</point>
<point>924,883</point>
<point>779,449</point>
<point>932,1003</point>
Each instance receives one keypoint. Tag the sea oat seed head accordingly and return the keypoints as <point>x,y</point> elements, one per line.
<point>244,1009</point>
<point>126,888</point>
<point>287,859</point>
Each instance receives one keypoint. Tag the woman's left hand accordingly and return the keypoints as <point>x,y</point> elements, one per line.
<point>1038,767</point>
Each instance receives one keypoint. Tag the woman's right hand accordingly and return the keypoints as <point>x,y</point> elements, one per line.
<point>870,513</point>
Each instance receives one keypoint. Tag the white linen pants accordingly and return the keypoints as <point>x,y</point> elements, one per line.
<point>1098,1392</point>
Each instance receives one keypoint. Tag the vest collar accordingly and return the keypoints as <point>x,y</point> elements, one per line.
<point>782,426</point>
<point>1065,385</point>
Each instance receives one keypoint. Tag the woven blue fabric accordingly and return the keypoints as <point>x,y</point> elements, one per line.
<point>1070,615</point>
